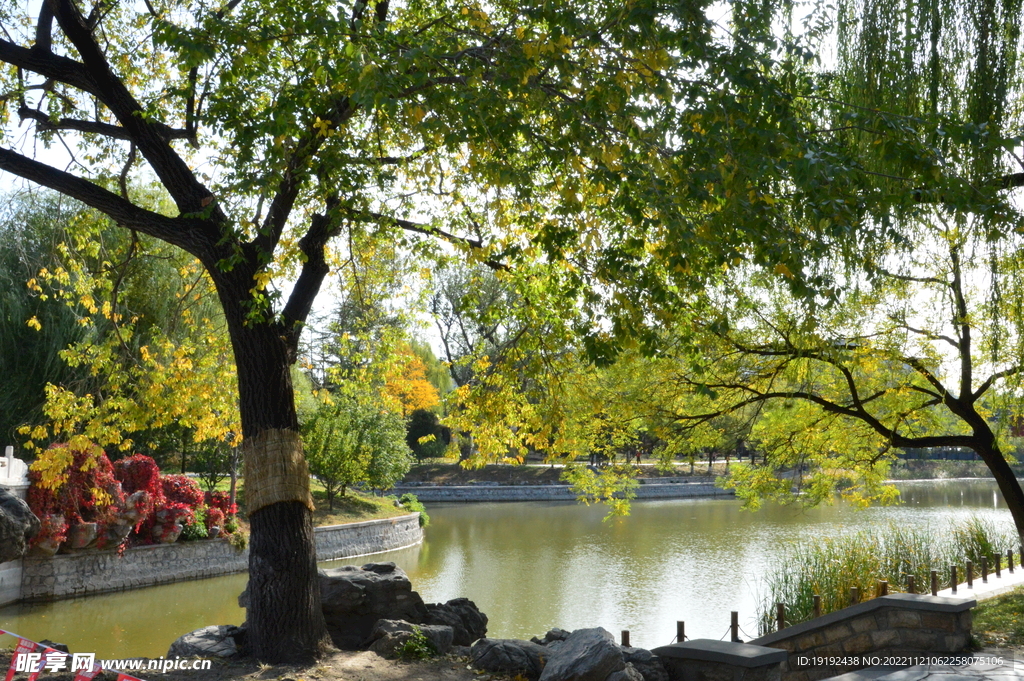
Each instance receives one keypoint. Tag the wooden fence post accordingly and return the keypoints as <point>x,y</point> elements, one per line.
<point>999,564</point>
<point>1009,560</point>
<point>680,631</point>
<point>625,638</point>
<point>854,595</point>
<point>952,578</point>
<point>970,575</point>
<point>910,585</point>
<point>780,615</point>
<point>984,569</point>
<point>817,605</point>
<point>935,582</point>
<point>734,627</point>
<point>883,587</point>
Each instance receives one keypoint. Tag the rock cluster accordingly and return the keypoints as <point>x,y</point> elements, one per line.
<point>583,655</point>
<point>375,607</point>
<point>17,525</point>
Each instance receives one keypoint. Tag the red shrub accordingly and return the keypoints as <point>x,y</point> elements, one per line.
<point>138,472</point>
<point>182,489</point>
<point>214,518</point>
<point>222,501</point>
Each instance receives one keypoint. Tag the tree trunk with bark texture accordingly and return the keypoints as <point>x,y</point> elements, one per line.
<point>286,623</point>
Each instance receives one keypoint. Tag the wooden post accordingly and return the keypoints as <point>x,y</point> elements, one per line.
<point>1009,560</point>
<point>952,578</point>
<point>680,632</point>
<point>780,615</point>
<point>854,595</point>
<point>817,605</point>
<point>625,638</point>
<point>935,582</point>
<point>734,627</point>
<point>999,564</point>
<point>984,569</point>
<point>911,587</point>
<point>883,587</point>
<point>970,575</point>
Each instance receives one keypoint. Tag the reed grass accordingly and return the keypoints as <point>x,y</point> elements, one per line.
<point>831,566</point>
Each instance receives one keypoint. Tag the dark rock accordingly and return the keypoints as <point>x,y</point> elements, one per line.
<point>586,655</point>
<point>17,525</point>
<point>509,655</point>
<point>212,641</point>
<point>553,635</point>
<point>461,651</point>
<point>354,598</point>
<point>388,636</point>
<point>645,662</point>
<point>462,615</point>
<point>62,647</point>
<point>628,673</point>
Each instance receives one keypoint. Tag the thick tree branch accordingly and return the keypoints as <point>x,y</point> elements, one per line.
<point>49,65</point>
<point>428,230</point>
<point>993,378</point>
<point>43,122</point>
<point>188,193</point>
<point>177,231</point>
<point>322,228</point>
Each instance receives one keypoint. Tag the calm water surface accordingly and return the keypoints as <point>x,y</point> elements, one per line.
<point>535,565</point>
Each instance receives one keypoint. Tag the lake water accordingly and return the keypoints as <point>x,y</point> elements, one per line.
<point>531,566</point>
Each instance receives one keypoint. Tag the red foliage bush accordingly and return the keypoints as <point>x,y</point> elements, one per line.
<point>214,518</point>
<point>181,489</point>
<point>222,501</point>
<point>138,472</point>
<point>76,499</point>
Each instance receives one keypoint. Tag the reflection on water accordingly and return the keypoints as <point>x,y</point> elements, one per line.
<point>535,565</point>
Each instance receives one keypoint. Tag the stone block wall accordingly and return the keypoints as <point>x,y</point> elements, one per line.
<point>92,572</point>
<point>373,536</point>
<point>896,625</point>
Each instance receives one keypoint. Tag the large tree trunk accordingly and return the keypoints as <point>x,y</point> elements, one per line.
<point>286,623</point>
<point>1008,484</point>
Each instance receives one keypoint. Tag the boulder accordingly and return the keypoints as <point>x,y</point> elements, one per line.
<point>222,640</point>
<point>388,636</point>
<point>645,662</point>
<point>354,598</point>
<point>553,635</point>
<point>586,655</point>
<point>17,525</point>
<point>628,673</point>
<point>509,655</point>
<point>462,615</point>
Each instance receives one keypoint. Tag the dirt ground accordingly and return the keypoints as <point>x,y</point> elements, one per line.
<point>341,666</point>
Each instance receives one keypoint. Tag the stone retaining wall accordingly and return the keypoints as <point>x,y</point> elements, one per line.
<point>93,572</point>
<point>897,624</point>
<point>373,536</point>
<point>468,493</point>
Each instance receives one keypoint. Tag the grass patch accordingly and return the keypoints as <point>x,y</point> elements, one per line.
<point>1000,621</point>
<point>353,507</point>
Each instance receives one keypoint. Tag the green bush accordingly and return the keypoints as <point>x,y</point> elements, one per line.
<point>195,527</point>
<point>417,646</point>
<point>412,502</point>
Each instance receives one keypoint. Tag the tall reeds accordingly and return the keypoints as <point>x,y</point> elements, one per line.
<point>831,566</point>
